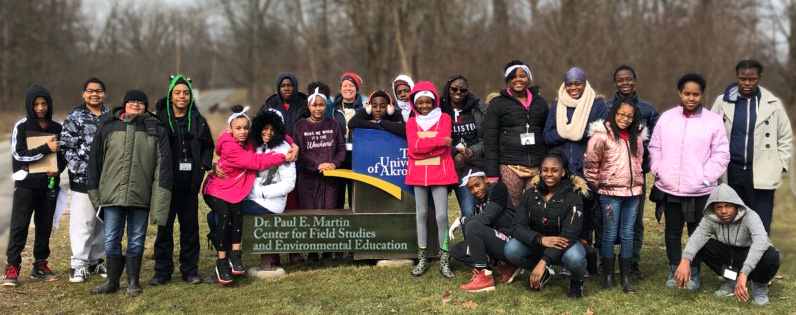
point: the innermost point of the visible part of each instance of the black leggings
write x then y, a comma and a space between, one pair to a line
486, 245
674, 229
230, 222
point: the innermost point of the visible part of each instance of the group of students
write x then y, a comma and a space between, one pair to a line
537, 185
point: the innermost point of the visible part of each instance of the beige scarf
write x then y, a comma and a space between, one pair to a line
580, 118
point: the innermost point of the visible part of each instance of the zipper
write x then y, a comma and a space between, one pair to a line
682, 144
746, 134
630, 164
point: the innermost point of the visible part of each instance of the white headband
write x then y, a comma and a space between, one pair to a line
470, 173
237, 115
423, 93
523, 67
315, 94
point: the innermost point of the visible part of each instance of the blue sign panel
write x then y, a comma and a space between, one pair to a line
380, 154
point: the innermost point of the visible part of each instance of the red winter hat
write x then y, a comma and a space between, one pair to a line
353, 77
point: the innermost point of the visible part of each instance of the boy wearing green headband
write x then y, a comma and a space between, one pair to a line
192, 155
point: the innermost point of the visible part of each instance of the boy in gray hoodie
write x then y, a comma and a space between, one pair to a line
740, 250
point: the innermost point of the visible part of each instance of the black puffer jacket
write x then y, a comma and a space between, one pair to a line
505, 121
562, 216
495, 210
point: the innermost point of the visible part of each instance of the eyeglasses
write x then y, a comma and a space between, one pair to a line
98, 91
625, 116
136, 103
457, 90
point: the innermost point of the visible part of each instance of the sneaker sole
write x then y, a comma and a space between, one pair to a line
236, 272
487, 289
9, 284
514, 275
45, 279
219, 278
77, 280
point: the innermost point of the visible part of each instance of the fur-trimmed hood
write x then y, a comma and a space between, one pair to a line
579, 184
268, 117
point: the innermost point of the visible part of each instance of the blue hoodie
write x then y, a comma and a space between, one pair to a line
742, 135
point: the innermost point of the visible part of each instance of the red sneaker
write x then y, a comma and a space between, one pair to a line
41, 271
507, 272
12, 273
481, 281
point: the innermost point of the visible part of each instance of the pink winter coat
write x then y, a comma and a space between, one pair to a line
608, 164
241, 165
423, 148
688, 155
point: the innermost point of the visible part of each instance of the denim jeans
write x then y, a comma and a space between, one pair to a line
113, 223
524, 256
252, 207
466, 201
619, 218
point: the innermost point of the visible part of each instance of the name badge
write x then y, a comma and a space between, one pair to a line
185, 166
527, 138
730, 273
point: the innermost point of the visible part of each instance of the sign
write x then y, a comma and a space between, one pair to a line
329, 231
380, 154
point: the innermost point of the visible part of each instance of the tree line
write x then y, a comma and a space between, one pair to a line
247, 43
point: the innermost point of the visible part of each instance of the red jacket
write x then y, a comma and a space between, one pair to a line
422, 148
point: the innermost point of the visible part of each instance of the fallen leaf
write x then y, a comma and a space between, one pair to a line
446, 296
392, 310
778, 277
589, 312
469, 304
500, 311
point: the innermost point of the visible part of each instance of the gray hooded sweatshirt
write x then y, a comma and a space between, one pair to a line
745, 231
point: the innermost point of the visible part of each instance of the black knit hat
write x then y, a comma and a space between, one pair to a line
136, 95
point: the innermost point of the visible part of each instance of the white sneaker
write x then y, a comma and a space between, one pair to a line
78, 275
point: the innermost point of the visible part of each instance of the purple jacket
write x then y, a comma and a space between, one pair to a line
688, 155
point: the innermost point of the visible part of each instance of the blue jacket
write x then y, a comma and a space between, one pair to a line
573, 150
649, 117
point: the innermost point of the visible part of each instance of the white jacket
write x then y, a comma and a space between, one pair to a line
274, 196
773, 138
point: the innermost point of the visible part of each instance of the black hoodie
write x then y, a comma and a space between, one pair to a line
192, 135
28, 127
298, 103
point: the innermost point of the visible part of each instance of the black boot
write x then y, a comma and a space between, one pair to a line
115, 268
445, 264
575, 289
592, 259
608, 273
636, 272
624, 275
133, 273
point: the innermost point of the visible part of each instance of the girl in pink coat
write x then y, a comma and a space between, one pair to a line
430, 169
689, 151
612, 166
240, 163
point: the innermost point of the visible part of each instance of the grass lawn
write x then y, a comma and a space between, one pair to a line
348, 287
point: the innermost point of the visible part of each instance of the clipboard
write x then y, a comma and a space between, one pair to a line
432, 160
49, 163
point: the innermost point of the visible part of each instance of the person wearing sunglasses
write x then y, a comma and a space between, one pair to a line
467, 119
513, 126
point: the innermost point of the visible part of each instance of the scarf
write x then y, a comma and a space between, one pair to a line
406, 108
427, 121
580, 118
